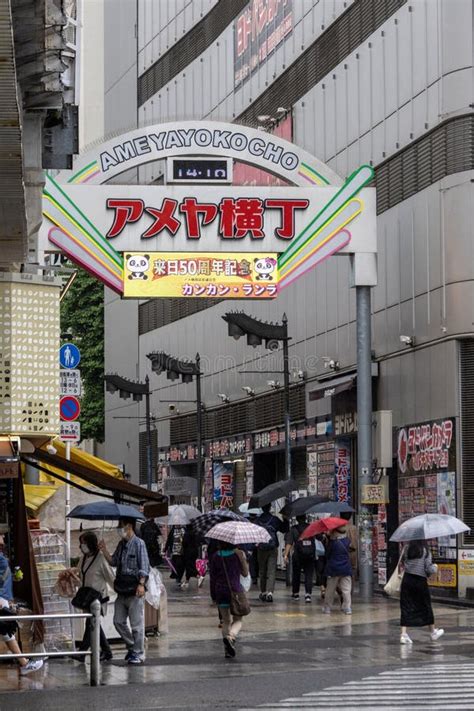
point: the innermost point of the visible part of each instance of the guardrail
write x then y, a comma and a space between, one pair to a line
94, 653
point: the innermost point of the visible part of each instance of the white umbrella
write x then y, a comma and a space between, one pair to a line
244, 509
239, 532
180, 515
427, 526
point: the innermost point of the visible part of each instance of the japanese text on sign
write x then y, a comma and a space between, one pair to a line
167, 274
425, 446
343, 470
237, 217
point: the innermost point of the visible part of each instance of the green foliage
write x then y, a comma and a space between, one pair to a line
82, 315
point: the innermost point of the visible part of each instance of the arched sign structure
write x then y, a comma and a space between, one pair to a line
95, 221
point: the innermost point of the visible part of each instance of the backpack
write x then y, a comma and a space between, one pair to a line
305, 548
273, 542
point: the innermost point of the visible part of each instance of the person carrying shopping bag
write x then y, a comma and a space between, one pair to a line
226, 567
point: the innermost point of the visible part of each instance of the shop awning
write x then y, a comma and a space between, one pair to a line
80, 457
36, 496
332, 387
58, 466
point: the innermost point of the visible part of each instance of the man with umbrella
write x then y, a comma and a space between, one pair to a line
267, 553
131, 560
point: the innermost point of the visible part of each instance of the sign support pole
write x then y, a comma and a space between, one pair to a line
364, 436
67, 507
149, 459
199, 430
286, 383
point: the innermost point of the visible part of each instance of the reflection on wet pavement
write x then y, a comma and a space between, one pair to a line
273, 637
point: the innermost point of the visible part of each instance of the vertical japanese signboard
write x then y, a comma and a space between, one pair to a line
342, 461
426, 456
223, 485
258, 30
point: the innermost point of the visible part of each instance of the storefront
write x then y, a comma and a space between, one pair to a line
427, 481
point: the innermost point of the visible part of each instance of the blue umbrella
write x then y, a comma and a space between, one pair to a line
105, 511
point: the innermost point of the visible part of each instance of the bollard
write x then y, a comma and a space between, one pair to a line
95, 643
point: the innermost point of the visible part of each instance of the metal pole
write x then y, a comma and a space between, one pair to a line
364, 436
149, 458
95, 643
199, 430
67, 508
286, 382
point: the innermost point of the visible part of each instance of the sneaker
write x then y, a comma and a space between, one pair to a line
307, 598
229, 647
269, 597
184, 586
436, 634
348, 611
405, 639
32, 666
135, 659
106, 656
295, 596
200, 580
128, 655
263, 597
326, 610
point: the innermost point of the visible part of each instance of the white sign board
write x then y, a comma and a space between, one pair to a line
138, 218
70, 382
70, 432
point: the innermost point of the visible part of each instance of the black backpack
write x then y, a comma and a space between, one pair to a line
305, 548
273, 542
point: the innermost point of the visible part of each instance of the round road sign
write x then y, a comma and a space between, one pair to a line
69, 408
69, 355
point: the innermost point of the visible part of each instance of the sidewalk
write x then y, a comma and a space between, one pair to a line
193, 647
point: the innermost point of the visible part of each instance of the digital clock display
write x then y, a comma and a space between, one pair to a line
201, 170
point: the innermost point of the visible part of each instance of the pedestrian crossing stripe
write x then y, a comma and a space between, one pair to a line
433, 688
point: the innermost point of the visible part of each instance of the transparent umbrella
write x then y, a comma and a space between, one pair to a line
180, 515
427, 526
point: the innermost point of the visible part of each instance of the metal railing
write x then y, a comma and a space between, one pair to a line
94, 653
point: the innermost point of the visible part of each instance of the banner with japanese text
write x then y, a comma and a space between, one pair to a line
223, 485
239, 275
342, 466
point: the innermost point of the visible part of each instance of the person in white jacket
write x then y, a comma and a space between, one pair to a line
94, 572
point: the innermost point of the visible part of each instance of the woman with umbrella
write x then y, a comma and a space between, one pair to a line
415, 600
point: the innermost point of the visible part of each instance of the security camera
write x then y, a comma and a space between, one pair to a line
248, 390
272, 344
51, 449
223, 397
407, 340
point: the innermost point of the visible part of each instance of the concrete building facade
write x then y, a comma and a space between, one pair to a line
385, 82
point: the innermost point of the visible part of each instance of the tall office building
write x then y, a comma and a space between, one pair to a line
383, 82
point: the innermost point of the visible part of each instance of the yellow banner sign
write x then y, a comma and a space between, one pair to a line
446, 576
236, 275
374, 494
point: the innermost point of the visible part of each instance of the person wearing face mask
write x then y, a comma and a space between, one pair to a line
94, 572
130, 558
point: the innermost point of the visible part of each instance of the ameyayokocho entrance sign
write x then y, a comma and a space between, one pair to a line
96, 225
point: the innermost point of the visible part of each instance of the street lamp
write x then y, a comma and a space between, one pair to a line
240, 324
136, 390
186, 370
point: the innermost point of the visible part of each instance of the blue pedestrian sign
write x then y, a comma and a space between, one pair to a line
69, 355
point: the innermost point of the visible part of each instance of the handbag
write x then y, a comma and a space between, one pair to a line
86, 595
394, 584
239, 605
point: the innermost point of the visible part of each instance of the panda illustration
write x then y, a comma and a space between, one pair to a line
265, 266
137, 264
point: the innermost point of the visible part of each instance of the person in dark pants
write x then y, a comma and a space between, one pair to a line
150, 533
94, 572
304, 553
267, 553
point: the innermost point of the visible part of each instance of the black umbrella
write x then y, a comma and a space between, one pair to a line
272, 492
331, 507
202, 524
302, 505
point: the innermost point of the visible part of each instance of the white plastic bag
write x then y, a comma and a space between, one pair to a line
246, 582
153, 592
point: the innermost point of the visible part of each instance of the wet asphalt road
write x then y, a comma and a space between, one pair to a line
286, 650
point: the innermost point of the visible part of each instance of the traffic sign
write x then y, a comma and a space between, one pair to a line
70, 382
70, 431
69, 408
69, 355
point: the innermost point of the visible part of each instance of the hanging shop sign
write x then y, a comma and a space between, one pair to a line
229, 447
426, 456
374, 494
259, 29
249, 475
223, 485
207, 275
342, 467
